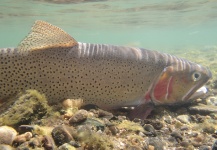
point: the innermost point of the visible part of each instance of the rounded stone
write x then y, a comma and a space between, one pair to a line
184, 119
23, 137
6, 147
149, 130
7, 135
62, 134
79, 116
176, 135
66, 146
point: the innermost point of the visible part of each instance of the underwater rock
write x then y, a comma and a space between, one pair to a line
104, 114
177, 136
30, 106
203, 109
184, 143
208, 127
63, 134
184, 119
130, 126
149, 130
23, 137
66, 146
204, 147
114, 130
155, 123
6, 147
37, 142
92, 139
7, 135
94, 123
214, 146
75, 144
168, 119
48, 142
157, 143
211, 100
79, 116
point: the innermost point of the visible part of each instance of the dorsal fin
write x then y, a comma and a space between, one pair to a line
43, 36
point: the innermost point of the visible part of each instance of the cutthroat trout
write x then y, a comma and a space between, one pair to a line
52, 62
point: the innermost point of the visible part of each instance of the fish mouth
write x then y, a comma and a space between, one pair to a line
199, 93
195, 92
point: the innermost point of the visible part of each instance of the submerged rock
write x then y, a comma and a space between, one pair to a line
66, 146
149, 130
6, 147
63, 134
23, 137
184, 119
203, 109
30, 106
7, 135
79, 116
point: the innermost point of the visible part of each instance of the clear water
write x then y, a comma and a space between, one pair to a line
157, 24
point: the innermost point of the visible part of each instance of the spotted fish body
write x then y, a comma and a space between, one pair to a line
52, 62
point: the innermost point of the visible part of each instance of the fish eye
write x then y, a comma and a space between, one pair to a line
196, 76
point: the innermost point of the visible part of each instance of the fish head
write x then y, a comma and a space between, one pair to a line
179, 84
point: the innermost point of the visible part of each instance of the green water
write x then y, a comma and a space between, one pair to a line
157, 24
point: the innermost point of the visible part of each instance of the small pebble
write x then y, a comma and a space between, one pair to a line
149, 130
184, 143
94, 123
66, 146
203, 109
79, 116
48, 143
156, 124
157, 143
184, 128
177, 135
62, 134
211, 101
75, 144
105, 114
151, 147
184, 119
114, 130
168, 119
204, 147
23, 137
6, 147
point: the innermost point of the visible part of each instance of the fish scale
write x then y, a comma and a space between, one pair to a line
106, 75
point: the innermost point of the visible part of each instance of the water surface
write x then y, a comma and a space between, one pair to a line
159, 24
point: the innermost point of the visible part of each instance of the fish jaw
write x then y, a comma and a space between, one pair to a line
176, 85
199, 93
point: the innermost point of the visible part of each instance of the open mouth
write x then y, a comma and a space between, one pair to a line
199, 93
193, 93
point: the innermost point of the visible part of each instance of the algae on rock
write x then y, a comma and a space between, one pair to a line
28, 107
